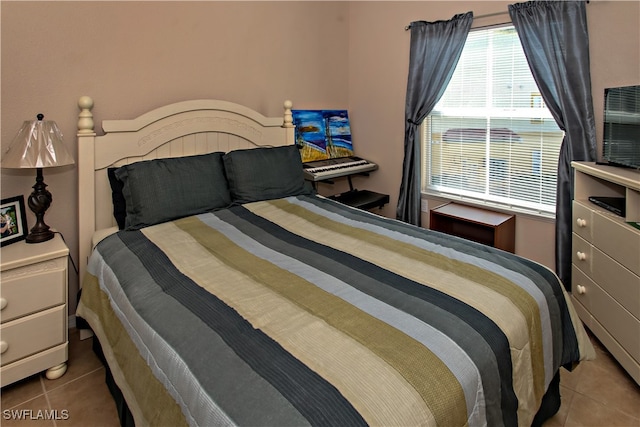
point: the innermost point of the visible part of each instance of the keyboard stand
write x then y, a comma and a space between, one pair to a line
332, 180
361, 199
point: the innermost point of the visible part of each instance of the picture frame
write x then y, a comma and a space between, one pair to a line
13, 220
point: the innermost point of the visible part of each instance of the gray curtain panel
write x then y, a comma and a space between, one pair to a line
434, 54
555, 40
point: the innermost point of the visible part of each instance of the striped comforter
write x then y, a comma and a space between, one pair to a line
302, 311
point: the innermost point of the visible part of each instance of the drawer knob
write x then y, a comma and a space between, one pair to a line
581, 222
581, 255
581, 289
3, 303
4, 346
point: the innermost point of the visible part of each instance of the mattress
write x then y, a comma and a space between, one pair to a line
302, 311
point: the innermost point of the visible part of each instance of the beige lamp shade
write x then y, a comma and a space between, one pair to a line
38, 144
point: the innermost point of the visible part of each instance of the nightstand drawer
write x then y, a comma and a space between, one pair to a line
32, 334
27, 290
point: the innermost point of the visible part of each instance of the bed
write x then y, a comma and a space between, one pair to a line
223, 291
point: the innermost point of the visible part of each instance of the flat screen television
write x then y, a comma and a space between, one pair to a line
621, 139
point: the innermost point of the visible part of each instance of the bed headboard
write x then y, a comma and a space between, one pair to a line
176, 130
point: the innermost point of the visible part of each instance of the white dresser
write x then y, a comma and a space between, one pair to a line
605, 280
33, 298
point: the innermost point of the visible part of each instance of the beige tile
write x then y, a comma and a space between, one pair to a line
608, 384
570, 379
82, 361
587, 412
87, 400
21, 391
35, 412
605, 360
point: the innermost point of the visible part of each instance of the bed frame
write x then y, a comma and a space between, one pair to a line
176, 130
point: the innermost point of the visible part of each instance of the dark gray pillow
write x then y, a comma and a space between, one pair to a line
164, 189
119, 203
265, 173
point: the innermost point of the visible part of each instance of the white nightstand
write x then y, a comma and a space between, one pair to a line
33, 316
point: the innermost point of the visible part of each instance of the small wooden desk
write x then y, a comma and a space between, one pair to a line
480, 225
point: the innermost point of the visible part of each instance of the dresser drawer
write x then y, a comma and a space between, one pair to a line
618, 322
581, 253
615, 279
582, 223
30, 289
619, 282
617, 240
32, 334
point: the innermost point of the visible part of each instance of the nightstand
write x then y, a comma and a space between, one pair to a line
33, 316
480, 225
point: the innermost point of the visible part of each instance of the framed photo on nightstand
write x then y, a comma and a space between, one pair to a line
13, 220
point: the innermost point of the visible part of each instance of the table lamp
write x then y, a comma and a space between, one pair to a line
38, 145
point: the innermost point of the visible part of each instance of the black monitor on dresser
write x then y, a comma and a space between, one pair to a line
621, 137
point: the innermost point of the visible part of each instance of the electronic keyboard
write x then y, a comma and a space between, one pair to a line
320, 170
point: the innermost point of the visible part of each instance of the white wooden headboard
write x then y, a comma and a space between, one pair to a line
176, 130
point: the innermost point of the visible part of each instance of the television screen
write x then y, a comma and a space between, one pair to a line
621, 139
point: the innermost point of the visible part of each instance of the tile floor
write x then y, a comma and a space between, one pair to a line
598, 393
81, 391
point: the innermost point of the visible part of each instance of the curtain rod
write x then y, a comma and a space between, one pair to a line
487, 15
408, 27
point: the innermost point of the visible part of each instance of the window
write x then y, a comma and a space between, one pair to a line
491, 139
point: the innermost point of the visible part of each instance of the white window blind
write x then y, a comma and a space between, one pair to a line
491, 139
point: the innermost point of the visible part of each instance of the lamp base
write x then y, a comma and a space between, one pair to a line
39, 201
39, 237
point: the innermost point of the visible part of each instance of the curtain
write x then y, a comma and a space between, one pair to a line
434, 53
555, 40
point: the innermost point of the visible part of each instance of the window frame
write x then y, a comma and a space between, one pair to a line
427, 190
